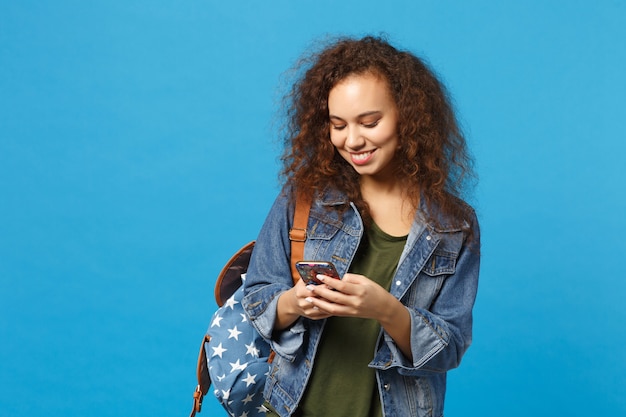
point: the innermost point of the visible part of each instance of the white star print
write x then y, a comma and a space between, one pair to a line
244, 318
249, 379
234, 333
231, 302
237, 366
225, 394
252, 350
216, 321
218, 350
247, 399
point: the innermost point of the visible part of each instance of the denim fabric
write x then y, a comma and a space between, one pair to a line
436, 279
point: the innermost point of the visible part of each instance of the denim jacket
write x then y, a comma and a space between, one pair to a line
436, 279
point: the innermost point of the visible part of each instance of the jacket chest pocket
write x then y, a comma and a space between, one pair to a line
441, 262
331, 241
319, 237
437, 268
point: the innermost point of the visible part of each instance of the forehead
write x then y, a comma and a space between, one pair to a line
361, 90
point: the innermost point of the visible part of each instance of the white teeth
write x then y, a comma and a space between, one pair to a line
361, 156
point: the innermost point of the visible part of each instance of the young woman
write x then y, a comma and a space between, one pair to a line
373, 140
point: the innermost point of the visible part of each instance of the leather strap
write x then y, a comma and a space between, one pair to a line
204, 380
297, 236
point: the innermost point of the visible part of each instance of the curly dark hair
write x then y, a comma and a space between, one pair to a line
432, 161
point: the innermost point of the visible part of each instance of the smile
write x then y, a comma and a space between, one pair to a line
361, 157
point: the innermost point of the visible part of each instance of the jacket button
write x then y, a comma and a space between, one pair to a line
428, 237
386, 387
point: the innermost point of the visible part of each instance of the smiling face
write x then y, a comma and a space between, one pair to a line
363, 119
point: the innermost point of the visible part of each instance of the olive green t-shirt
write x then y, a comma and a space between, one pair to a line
341, 383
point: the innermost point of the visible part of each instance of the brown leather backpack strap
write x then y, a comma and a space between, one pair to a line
297, 234
204, 379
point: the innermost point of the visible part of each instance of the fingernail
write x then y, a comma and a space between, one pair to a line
308, 299
320, 277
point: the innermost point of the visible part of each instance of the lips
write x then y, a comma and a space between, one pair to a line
361, 158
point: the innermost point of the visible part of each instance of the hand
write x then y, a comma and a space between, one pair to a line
294, 303
358, 296
353, 296
303, 294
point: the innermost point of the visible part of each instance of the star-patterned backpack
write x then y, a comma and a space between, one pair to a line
233, 357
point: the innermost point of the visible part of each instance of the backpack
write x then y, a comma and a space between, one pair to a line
233, 357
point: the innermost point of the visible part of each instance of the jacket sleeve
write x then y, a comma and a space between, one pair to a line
441, 334
269, 275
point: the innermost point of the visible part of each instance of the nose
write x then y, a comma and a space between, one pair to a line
354, 139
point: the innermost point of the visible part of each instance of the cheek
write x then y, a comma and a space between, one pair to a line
387, 137
336, 139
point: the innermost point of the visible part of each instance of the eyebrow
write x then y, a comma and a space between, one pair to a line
367, 113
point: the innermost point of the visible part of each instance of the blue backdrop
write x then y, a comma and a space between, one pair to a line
138, 151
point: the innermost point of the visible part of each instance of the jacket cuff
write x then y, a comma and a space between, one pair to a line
262, 314
426, 342
427, 338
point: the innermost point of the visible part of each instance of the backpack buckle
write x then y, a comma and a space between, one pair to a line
297, 235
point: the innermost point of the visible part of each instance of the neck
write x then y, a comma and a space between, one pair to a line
371, 186
389, 206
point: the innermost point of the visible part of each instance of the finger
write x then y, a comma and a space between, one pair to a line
323, 291
328, 307
313, 311
304, 290
354, 278
333, 284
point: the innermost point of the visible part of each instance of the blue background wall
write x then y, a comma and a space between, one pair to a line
137, 152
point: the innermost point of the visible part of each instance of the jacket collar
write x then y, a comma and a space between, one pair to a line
430, 216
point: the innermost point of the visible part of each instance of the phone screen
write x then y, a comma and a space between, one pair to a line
310, 269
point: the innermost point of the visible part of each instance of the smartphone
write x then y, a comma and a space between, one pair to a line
310, 269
